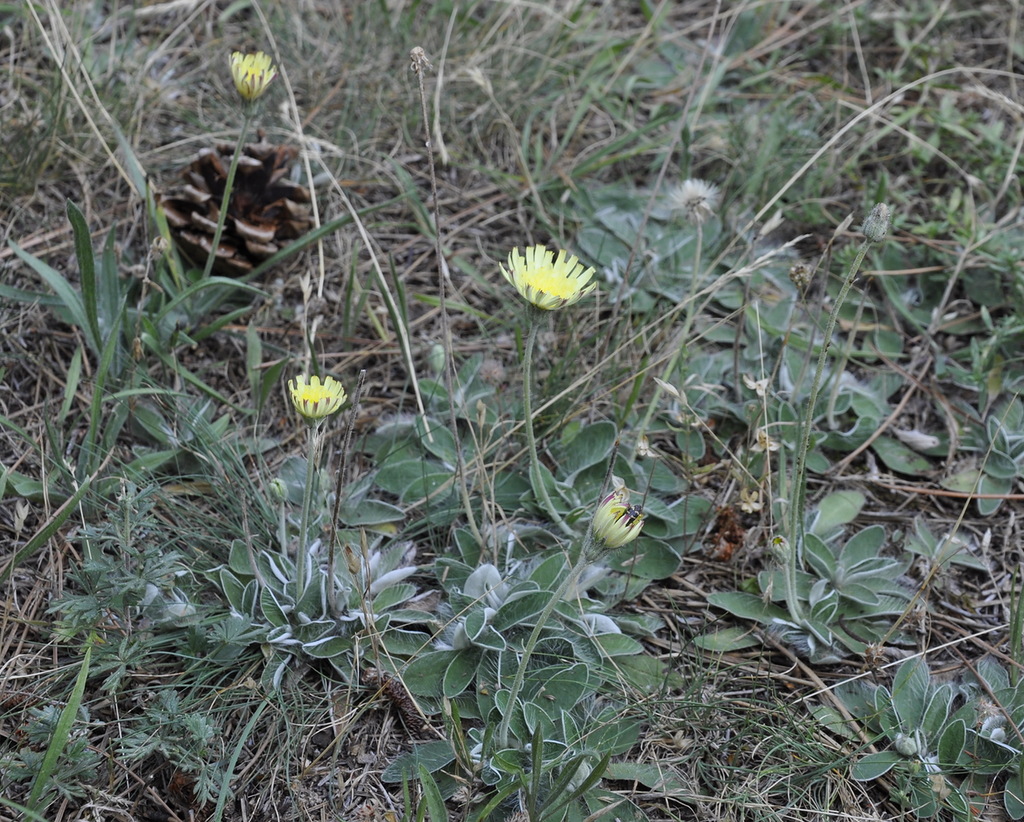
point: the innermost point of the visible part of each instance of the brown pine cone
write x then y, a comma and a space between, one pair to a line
266, 209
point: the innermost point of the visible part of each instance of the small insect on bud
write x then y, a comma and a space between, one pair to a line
876, 226
616, 522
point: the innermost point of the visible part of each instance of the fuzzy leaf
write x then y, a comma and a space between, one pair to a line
748, 606
820, 557
899, 457
424, 675
951, 743
862, 547
328, 647
726, 640
651, 776
837, 509
459, 674
430, 755
910, 692
1013, 793
584, 446
618, 645
874, 765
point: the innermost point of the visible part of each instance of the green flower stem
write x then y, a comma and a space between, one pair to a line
684, 347
536, 477
575, 573
316, 442
794, 555
226, 198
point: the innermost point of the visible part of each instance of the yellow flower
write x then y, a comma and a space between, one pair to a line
252, 73
315, 400
547, 281
616, 522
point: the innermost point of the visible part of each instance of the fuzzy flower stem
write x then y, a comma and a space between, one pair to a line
420, 64
226, 198
346, 446
316, 443
531, 643
591, 549
536, 476
874, 232
684, 347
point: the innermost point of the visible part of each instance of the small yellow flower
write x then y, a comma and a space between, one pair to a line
314, 399
547, 281
252, 74
616, 522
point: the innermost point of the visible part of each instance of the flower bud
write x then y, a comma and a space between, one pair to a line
616, 522
876, 226
906, 745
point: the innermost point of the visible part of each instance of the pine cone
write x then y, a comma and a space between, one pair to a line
265, 211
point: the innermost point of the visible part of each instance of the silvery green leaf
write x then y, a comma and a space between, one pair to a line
390, 578
618, 645
874, 765
328, 647
392, 596
459, 674
951, 743
485, 584
597, 624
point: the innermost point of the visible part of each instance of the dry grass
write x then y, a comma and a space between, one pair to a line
812, 109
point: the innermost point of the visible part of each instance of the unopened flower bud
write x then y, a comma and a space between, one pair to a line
906, 745
616, 522
279, 489
876, 226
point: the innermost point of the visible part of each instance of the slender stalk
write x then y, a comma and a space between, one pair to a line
346, 446
517, 684
420, 64
225, 200
316, 442
684, 347
875, 228
536, 476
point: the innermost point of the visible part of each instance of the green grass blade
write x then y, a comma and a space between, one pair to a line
27, 813
69, 298
61, 733
86, 270
225, 785
432, 796
48, 530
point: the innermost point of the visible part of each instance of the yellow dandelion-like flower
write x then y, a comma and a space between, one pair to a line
616, 521
314, 399
252, 74
547, 281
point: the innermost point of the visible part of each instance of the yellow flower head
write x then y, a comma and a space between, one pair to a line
314, 399
252, 73
547, 281
616, 521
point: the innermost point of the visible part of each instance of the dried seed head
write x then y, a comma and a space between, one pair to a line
696, 200
800, 275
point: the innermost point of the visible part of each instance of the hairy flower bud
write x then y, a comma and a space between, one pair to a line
876, 226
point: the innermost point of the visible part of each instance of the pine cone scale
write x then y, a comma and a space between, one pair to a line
266, 210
